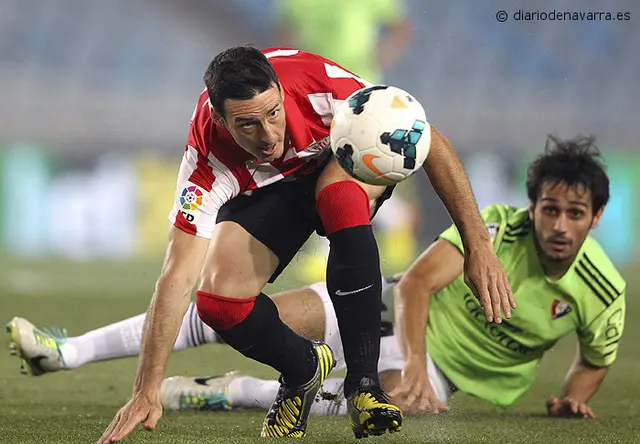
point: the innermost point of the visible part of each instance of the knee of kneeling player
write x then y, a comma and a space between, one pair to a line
343, 205
221, 312
229, 283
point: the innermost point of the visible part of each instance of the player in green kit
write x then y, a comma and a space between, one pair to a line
562, 281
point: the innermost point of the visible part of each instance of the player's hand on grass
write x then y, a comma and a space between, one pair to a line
568, 408
140, 409
415, 394
486, 277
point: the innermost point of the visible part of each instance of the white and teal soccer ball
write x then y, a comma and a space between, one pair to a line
380, 135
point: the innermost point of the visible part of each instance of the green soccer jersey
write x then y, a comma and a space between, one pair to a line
498, 362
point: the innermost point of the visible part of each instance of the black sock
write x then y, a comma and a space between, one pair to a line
354, 284
263, 336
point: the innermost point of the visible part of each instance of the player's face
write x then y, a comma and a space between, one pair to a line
562, 218
258, 124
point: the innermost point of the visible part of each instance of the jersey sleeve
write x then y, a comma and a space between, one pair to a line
495, 218
599, 340
204, 183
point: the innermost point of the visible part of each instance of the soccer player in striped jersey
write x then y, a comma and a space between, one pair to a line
256, 179
562, 279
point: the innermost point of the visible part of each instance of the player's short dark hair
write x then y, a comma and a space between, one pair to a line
238, 73
576, 162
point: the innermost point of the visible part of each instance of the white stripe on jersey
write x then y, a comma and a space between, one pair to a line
263, 174
315, 149
335, 72
281, 52
325, 106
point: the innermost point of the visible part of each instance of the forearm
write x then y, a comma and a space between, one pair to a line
583, 381
161, 327
436, 268
412, 312
450, 181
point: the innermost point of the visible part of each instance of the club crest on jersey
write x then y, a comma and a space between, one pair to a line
559, 309
493, 231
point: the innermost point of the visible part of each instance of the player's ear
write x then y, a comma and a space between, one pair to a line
596, 218
532, 208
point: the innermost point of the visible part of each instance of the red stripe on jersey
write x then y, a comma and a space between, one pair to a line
186, 226
203, 175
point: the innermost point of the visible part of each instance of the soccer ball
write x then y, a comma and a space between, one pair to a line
380, 135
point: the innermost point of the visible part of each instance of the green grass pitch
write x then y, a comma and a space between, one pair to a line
75, 407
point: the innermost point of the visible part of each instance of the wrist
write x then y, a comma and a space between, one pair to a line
150, 394
476, 243
417, 358
147, 387
475, 234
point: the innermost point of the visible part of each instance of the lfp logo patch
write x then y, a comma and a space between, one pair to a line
191, 198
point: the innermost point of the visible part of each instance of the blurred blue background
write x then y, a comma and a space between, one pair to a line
96, 99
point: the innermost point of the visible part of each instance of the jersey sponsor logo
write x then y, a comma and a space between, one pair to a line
559, 309
613, 331
191, 198
499, 333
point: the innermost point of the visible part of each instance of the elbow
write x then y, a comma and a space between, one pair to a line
173, 282
415, 282
403, 288
410, 288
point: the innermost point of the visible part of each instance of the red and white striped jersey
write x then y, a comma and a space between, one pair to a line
215, 169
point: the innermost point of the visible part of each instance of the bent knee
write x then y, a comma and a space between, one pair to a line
234, 286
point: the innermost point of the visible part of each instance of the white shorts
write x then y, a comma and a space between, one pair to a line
391, 357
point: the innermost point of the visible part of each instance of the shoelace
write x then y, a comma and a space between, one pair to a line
58, 334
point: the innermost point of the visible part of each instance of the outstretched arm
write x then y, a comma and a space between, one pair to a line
180, 271
484, 274
437, 267
182, 265
581, 383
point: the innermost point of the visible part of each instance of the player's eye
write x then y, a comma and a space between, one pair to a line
550, 210
576, 214
273, 114
247, 125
